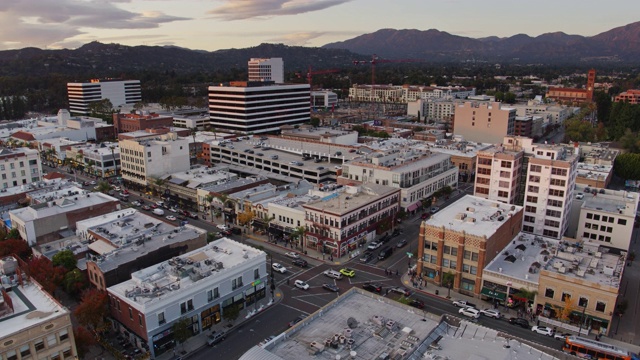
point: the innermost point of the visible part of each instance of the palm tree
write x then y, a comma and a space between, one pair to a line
159, 183
209, 199
298, 234
104, 187
78, 159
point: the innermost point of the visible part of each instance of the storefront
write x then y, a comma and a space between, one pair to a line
210, 317
493, 294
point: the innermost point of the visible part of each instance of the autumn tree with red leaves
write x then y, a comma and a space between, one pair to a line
84, 339
92, 309
42, 270
15, 246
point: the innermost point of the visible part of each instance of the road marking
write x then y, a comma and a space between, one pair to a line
296, 309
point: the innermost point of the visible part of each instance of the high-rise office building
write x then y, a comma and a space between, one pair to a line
266, 70
119, 92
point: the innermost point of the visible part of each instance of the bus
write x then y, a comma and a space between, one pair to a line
586, 348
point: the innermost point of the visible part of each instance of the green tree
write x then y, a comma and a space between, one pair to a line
577, 129
630, 141
627, 166
66, 259
104, 187
231, 313
181, 331
13, 234
298, 235
526, 294
74, 282
603, 104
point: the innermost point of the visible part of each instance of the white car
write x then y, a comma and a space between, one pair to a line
374, 245
223, 228
279, 268
470, 312
542, 330
173, 210
301, 285
171, 218
292, 255
491, 313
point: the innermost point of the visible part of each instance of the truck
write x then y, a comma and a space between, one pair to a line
463, 304
385, 253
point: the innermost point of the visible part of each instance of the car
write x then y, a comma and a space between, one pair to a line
330, 287
292, 255
259, 154
401, 243
352, 150
171, 218
337, 167
222, 227
136, 203
425, 216
462, 303
491, 313
470, 312
301, 285
374, 245
266, 341
293, 162
366, 257
236, 231
92, 182
561, 336
320, 168
296, 320
348, 272
279, 268
116, 188
159, 203
372, 287
300, 262
146, 207
384, 238
124, 199
520, 322
434, 209
215, 337
417, 304
400, 290
173, 210
542, 330
332, 274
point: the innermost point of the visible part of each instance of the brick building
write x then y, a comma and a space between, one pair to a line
135, 122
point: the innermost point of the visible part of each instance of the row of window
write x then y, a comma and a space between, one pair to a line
593, 236
22, 173
608, 229
609, 219
39, 344
583, 302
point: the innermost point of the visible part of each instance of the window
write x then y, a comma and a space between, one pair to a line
534, 179
66, 353
589, 216
622, 221
554, 213
130, 314
552, 223
55, 357
550, 233
536, 168
533, 199
64, 335
256, 274
600, 306
11, 355
504, 184
550, 293
566, 296
51, 340
503, 194
183, 308
39, 345
583, 302
558, 182
505, 164
189, 304
530, 219
556, 203
558, 171
530, 209
533, 189
554, 192
505, 174
24, 350
161, 319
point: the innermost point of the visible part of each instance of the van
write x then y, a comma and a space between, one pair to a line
158, 211
385, 253
333, 274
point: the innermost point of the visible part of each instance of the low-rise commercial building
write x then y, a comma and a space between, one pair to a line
123, 123
595, 176
19, 167
96, 159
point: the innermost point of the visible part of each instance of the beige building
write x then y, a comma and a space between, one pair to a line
33, 324
484, 122
498, 174
462, 238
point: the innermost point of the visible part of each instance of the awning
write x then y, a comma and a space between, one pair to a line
493, 294
101, 247
593, 318
413, 206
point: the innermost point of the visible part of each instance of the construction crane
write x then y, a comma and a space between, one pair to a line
376, 60
310, 73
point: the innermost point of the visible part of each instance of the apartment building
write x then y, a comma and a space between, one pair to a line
432, 109
124, 241
631, 96
551, 114
417, 174
53, 213
33, 324
258, 107
200, 286
407, 93
266, 69
463, 238
141, 121
484, 122
143, 160
336, 222
96, 159
19, 166
464, 154
498, 174
119, 92
324, 99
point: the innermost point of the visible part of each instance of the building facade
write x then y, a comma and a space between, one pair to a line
19, 166
484, 122
258, 107
96, 159
498, 174
271, 69
631, 96
136, 122
119, 92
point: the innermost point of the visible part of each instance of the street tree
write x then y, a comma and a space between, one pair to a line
66, 259
181, 330
17, 247
74, 282
231, 313
43, 271
92, 309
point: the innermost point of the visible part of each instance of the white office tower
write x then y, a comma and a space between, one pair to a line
119, 92
266, 70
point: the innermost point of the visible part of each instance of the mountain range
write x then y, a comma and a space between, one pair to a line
620, 44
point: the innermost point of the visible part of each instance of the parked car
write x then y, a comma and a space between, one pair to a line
561, 336
330, 287
236, 231
434, 209
385, 253
374, 245
300, 262
463, 303
400, 290
171, 218
222, 227
372, 287
470, 312
401, 243
301, 285
146, 207
520, 322
348, 272
215, 337
425, 216
279, 268
173, 210
366, 257
417, 304
491, 313
292, 255
135, 203
542, 330
296, 320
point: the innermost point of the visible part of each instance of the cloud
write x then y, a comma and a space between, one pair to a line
44, 22
248, 9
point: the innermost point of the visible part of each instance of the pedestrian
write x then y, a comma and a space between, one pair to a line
287, 281
397, 273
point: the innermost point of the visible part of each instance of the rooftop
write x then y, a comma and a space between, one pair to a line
175, 276
457, 148
101, 149
474, 215
121, 237
201, 176
612, 201
230, 185
346, 199
31, 304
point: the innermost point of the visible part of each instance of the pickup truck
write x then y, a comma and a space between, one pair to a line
463, 304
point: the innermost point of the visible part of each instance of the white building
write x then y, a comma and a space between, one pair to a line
198, 122
221, 275
257, 107
498, 172
271, 69
19, 167
97, 159
119, 92
324, 99
144, 160
407, 93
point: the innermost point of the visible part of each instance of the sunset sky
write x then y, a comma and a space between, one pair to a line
222, 24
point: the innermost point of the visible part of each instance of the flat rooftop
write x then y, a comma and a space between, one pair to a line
613, 201
363, 325
75, 200
348, 198
523, 257
474, 215
200, 177
170, 278
230, 185
121, 237
461, 148
31, 306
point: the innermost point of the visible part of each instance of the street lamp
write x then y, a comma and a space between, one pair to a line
272, 284
115, 164
584, 308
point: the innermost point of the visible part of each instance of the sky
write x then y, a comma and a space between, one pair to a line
223, 24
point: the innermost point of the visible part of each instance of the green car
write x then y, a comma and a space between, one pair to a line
348, 272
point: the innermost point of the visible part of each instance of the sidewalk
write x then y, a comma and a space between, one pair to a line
197, 342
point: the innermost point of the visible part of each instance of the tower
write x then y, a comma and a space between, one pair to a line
591, 81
